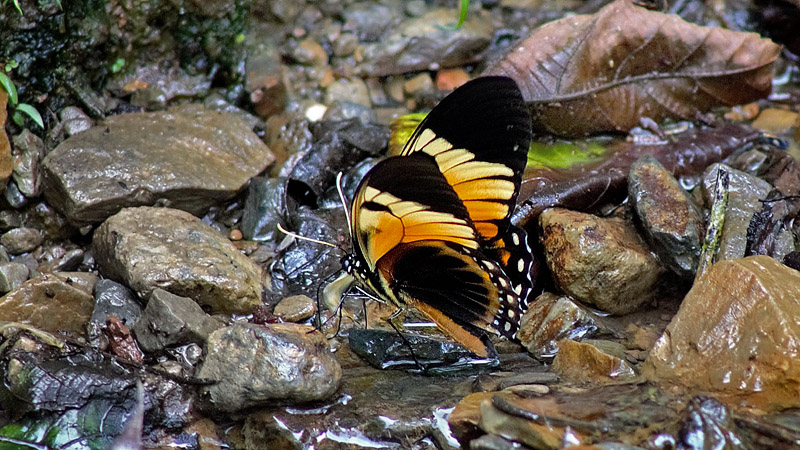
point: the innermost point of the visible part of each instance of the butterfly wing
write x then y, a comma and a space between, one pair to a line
457, 288
479, 136
415, 245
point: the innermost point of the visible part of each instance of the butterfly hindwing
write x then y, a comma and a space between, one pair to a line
456, 287
513, 254
479, 136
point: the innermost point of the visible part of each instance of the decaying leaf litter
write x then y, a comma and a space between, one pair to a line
622, 69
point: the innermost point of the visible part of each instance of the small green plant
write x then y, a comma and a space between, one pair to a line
16, 5
20, 109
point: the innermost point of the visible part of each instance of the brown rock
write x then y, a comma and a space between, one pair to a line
419, 85
668, 216
737, 332
310, 52
585, 363
295, 308
52, 302
189, 158
550, 319
427, 43
254, 365
148, 248
601, 261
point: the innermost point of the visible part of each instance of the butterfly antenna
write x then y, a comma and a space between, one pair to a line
344, 202
303, 238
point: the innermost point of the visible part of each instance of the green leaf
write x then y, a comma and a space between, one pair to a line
118, 65
462, 14
31, 112
9, 87
563, 154
16, 3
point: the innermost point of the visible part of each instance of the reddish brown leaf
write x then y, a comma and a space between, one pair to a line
584, 187
122, 343
603, 72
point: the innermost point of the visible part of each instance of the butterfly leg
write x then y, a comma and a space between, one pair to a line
391, 319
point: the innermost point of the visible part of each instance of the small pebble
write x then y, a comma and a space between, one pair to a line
449, 79
309, 52
419, 85
530, 390
235, 235
21, 240
295, 308
345, 44
12, 275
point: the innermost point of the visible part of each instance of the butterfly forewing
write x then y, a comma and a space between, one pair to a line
479, 136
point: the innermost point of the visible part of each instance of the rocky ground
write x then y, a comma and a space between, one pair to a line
144, 280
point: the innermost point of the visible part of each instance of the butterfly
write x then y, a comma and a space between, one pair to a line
431, 227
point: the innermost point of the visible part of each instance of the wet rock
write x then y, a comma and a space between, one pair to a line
379, 408
154, 84
264, 208
600, 261
493, 442
586, 363
12, 275
254, 365
52, 302
21, 240
122, 162
67, 262
112, 299
28, 153
309, 52
427, 43
344, 110
264, 75
369, 20
672, 222
14, 197
74, 120
736, 333
295, 308
170, 320
387, 349
354, 91
148, 248
622, 413
551, 318
216, 102
744, 194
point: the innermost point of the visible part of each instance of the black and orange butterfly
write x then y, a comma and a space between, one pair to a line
431, 228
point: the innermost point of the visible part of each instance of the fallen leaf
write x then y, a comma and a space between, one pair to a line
589, 183
603, 72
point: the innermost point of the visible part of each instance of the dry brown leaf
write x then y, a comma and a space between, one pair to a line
592, 73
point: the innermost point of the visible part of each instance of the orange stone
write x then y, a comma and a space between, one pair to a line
449, 79
737, 333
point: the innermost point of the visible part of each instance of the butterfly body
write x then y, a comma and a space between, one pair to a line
431, 227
